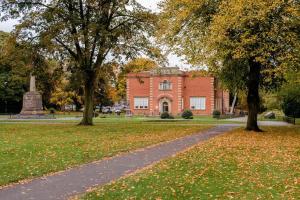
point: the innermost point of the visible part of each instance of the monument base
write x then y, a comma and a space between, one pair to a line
27, 112
32, 104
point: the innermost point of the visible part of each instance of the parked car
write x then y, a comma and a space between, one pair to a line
106, 110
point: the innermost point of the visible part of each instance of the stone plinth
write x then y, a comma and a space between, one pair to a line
32, 104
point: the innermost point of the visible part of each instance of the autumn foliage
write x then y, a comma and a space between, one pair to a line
248, 43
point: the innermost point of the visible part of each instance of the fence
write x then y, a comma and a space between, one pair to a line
291, 120
6, 115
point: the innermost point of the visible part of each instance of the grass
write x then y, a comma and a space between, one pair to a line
122, 119
237, 165
196, 119
31, 150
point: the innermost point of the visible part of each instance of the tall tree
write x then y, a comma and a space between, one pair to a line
61, 97
17, 61
253, 39
14, 72
289, 95
106, 85
89, 32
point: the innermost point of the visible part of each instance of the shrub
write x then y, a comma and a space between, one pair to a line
52, 110
216, 114
291, 107
187, 114
165, 115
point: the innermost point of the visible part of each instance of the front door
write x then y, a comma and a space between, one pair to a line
165, 107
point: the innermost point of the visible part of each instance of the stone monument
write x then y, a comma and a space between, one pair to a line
32, 101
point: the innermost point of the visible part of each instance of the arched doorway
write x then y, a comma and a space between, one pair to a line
165, 107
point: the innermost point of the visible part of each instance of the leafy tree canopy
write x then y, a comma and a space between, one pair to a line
91, 33
14, 71
229, 33
250, 43
17, 61
61, 97
3, 37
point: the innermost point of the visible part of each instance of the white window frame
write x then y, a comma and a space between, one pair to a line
141, 103
165, 85
198, 103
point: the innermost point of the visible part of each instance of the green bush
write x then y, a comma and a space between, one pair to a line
187, 114
291, 107
290, 95
216, 114
166, 115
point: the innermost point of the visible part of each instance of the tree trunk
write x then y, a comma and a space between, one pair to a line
233, 103
78, 105
253, 96
88, 112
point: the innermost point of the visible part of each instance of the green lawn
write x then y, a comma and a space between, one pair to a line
122, 119
30, 150
237, 165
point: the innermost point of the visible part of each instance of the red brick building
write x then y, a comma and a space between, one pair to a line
172, 90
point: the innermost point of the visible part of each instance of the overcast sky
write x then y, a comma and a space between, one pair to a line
151, 4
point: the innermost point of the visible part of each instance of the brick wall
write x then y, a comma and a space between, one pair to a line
184, 86
171, 95
199, 87
138, 85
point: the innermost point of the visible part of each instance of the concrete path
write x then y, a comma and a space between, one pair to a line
260, 123
273, 123
78, 180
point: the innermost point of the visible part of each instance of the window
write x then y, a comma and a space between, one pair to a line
141, 102
198, 103
166, 85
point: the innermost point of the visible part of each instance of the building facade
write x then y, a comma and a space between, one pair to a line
172, 90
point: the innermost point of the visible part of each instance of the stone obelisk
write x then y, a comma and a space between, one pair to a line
32, 100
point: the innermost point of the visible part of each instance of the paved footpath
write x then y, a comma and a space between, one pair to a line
77, 180
260, 123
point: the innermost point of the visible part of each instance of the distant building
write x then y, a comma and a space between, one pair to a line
172, 90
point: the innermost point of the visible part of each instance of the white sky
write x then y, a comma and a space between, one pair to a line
151, 4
